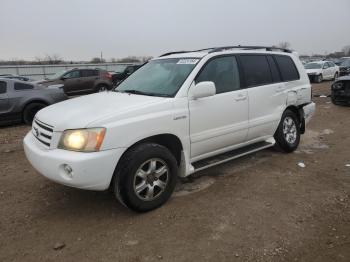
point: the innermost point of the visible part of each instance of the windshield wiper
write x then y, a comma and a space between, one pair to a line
138, 92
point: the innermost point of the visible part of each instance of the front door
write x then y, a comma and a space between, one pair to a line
218, 121
72, 82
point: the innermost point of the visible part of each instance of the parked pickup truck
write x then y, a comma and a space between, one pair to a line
178, 114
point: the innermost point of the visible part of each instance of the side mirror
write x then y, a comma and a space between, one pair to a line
64, 78
203, 89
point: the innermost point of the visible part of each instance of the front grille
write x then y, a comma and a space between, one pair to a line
42, 132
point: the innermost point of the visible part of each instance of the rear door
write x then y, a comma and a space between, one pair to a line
267, 94
88, 78
218, 121
4, 99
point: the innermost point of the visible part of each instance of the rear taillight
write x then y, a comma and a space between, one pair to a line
108, 76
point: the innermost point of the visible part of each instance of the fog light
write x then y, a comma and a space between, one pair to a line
68, 170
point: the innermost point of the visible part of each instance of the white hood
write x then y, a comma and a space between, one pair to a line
79, 112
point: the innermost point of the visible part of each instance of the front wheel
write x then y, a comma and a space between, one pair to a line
102, 88
30, 111
146, 177
287, 135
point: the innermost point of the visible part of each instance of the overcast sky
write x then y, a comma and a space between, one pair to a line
80, 29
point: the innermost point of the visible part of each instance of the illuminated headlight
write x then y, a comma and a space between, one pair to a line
83, 140
337, 86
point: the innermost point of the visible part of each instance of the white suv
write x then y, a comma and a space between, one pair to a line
177, 114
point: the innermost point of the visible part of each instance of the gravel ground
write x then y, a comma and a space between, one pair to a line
263, 207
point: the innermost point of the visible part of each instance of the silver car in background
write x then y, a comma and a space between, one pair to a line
20, 100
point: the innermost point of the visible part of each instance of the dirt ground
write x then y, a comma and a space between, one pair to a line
263, 207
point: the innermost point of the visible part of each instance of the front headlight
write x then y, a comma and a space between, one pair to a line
337, 86
83, 140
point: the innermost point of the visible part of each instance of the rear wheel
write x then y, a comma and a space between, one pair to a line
30, 110
335, 76
287, 135
319, 78
146, 177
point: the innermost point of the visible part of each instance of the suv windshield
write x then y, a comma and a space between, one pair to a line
56, 75
313, 66
345, 62
161, 77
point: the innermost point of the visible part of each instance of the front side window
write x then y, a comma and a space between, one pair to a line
3, 88
223, 71
162, 77
72, 74
22, 86
287, 68
256, 70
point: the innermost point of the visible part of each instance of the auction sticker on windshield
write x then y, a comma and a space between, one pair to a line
187, 61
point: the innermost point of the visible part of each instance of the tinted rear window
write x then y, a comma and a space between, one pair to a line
287, 68
256, 70
22, 86
87, 73
3, 86
276, 77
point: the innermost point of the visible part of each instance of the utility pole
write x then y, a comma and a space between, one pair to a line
101, 57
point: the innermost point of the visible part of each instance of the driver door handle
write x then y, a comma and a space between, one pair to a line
240, 97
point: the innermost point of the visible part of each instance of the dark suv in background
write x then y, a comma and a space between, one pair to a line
81, 81
118, 77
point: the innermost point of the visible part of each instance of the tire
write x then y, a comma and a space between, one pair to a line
287, 135
101, 88
30, 110
146, 177
319, 78
336, 76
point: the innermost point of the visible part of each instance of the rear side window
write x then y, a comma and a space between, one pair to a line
22, 86
223, 71
3, 88
256, 70
89, 72
276, 77
287, 68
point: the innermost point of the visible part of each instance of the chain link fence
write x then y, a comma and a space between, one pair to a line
37, 72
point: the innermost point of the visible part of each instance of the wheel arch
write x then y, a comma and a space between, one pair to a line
170, 141
298, 111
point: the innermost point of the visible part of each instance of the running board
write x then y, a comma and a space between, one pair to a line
225, 157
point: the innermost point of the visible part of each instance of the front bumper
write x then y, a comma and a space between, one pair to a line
92, 171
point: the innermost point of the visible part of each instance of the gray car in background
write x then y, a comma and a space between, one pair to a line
20, 100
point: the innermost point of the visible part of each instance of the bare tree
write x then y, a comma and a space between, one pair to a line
97, 60
346, 50
285, 45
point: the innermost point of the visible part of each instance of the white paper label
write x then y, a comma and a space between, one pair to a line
187, 61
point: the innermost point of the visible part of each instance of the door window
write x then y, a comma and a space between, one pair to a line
72, 74
223, 71
256, 70
88, 73
22, 86
3, 88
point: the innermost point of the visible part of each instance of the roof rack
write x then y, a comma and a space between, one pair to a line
181, 52
267, 48
223, 48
